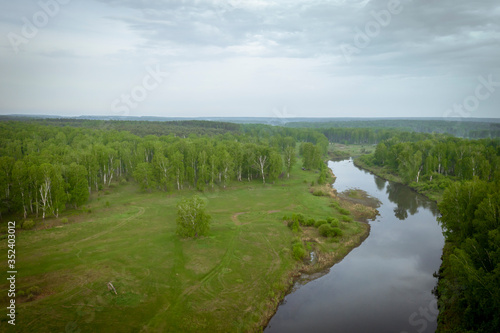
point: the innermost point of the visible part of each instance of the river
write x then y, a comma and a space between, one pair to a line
385, 284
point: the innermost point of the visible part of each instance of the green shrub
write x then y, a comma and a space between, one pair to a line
309, 222
107, 203
28, 224
319, 193
346, 218
298, 250
334, 222
294, 225
319, 223
335, 204
344, 211
64, 220
298, 217
325, 230
35, 290
337, 232
21, 293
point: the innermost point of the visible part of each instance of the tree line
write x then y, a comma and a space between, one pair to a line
437, 157
465, 128
45, 168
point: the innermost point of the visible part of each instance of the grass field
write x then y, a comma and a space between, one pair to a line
231, 280
338, 150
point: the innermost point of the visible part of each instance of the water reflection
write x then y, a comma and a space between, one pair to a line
407, 201
380, 183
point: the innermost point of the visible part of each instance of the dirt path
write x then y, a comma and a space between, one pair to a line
107, 231
235, 219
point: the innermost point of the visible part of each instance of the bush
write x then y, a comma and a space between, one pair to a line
298, 250
294, 225
344, 211
334, 222
64, 220
28, 224
337, 232
335, 204
320, 223
319, 193
35, 290
309, 222
123, 181
325, 230
346, 218
298, 217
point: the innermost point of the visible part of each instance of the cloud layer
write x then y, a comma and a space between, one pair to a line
332, 58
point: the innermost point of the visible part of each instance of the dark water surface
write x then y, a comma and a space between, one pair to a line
384, 285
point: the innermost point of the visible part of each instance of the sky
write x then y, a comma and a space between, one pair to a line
251, 58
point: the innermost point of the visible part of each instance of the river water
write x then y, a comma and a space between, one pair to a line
385, 284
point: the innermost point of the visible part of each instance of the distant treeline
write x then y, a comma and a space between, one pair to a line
371, 135
46, 166
182, 128
465, 129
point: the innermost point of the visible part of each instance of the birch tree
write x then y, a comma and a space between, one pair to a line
192, 219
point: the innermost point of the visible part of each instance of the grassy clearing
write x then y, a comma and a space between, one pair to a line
231, 280
339, 151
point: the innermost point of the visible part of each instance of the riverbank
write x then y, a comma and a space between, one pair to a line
364, 291
324, 253
431, 194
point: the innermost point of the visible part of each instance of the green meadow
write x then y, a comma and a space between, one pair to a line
230, 280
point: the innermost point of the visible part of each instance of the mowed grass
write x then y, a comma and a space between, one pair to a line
230, 280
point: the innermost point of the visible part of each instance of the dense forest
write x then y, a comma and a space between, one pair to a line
467, 175
439, 159
48, 166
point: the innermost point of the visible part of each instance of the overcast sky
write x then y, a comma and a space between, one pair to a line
282, 58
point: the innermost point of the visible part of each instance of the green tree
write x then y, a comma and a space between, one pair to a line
192, 219
289, 158
77, 181
311, 156
381, 153
144, 175
275, 165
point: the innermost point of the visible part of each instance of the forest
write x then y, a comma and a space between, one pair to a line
46, 166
